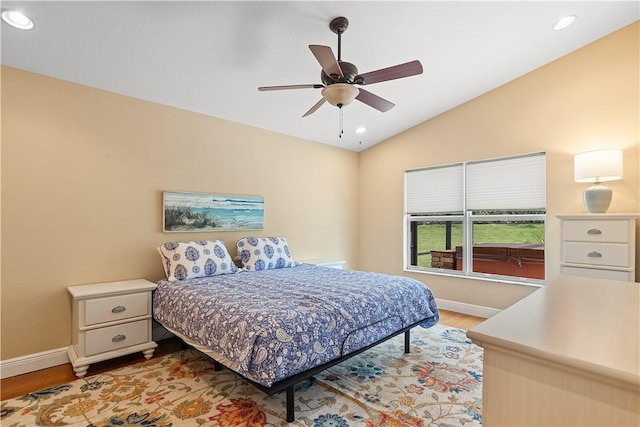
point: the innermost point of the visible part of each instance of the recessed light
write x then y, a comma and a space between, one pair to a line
17, 19
361, 129
564, 22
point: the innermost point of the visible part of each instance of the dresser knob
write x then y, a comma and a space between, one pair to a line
118, 309
119, 338
594, 255
594, 231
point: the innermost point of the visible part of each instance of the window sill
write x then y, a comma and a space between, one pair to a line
478, 276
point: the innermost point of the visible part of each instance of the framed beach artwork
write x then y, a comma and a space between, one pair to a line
191, 212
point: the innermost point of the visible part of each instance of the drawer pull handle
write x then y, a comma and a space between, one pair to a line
594, 231
118, 309
119, 338
594, 254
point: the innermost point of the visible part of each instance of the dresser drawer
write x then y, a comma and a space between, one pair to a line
108, 309
115, 337
596, 231
599, 274
610, 254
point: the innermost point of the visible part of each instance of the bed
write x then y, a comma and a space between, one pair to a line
278, 326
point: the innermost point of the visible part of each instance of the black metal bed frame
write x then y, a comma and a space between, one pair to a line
288, 384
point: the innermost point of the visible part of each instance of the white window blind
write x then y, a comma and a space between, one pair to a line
438, 189
507, 184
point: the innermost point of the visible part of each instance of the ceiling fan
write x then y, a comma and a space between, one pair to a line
340, 77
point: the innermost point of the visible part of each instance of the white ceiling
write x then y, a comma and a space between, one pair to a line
211, 56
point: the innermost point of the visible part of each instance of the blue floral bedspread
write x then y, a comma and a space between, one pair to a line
273, 324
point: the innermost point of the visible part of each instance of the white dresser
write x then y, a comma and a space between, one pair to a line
110, 320
601, 246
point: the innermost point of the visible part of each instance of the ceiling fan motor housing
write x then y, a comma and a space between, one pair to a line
348, 70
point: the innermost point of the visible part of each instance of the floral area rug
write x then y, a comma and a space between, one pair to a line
438, 384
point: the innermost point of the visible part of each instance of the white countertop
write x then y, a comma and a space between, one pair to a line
587, 324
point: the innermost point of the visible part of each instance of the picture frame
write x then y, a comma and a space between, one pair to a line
200, 212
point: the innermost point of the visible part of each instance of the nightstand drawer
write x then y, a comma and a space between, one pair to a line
108, 309
596, 231
611, 254
115, 337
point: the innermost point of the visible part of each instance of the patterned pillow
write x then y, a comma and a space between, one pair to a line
264, 253
186, 260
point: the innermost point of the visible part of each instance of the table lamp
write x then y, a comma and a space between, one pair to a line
597, 167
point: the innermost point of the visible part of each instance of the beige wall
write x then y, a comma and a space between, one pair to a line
584, 101
83, 173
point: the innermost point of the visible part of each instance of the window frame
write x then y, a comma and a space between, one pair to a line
468, 219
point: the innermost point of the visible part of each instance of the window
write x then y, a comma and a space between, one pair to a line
481, 219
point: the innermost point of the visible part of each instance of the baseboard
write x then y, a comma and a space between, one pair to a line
47, 359
33, 362
470, 309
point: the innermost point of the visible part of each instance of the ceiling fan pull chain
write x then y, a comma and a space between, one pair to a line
341, 124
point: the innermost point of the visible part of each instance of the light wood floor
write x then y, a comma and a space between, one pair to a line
45, 378
459, 320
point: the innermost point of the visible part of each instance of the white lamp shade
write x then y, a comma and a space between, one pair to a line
598, 166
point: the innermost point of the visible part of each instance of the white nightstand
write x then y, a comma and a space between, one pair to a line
325, 263
601, 246
110, 320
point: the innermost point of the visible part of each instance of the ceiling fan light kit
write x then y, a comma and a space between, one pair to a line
340, 77
340, 94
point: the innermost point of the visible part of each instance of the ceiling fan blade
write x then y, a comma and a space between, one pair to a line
309, 86
327, 60
315, 107
391, 73
374, 101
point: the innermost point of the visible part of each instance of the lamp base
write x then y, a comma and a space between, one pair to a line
597, 198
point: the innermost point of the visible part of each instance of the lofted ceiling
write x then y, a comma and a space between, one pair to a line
211, 56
